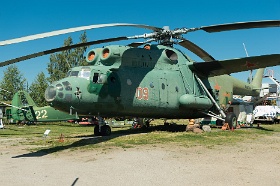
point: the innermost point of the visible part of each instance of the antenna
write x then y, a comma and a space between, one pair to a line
250, 76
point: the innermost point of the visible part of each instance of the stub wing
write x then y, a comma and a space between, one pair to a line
216, 68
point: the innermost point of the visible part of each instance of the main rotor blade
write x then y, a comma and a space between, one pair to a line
241, 25
196, 50
136, 44
216, 68
30, 56
70, 30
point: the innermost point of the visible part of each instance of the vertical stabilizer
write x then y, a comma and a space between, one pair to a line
22, 107
257, 81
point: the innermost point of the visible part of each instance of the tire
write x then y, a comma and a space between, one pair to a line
96, 130
231, 120
106, 130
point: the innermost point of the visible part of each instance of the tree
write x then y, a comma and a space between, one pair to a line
37, 89
60, 63
12, 82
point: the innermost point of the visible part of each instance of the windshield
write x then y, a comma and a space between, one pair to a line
85, 73
72, 73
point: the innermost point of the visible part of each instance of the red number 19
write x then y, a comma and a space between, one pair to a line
142, 93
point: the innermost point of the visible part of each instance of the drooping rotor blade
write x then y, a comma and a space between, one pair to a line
241, 25
216, 68
196, 50
30, 56
70, 30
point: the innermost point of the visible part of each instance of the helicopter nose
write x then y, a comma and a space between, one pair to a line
50, 93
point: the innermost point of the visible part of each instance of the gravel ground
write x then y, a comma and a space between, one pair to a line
252, 163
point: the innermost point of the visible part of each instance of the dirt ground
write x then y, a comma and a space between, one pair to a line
256, 162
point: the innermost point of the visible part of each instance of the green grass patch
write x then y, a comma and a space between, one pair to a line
68, 136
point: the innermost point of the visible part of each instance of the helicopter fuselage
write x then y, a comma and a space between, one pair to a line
154, 82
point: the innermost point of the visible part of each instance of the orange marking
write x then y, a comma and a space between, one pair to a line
217, 87
227, 95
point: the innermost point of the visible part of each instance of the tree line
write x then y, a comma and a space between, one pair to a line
58, 66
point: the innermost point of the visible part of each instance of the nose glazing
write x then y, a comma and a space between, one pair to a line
50, 93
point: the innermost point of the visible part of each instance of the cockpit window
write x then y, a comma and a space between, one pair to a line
67, 86
73, 73
85, 73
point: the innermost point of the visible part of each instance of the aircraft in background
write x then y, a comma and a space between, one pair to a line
24, 109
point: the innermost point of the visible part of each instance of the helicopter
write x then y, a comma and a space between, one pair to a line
147, 80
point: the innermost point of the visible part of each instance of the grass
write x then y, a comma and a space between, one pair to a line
68, 136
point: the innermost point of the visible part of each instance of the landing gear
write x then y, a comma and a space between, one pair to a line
231, 120
141, 122
96, 130
105, 130
102, 128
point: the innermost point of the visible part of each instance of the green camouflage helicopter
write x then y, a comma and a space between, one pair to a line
154, 81
24, 110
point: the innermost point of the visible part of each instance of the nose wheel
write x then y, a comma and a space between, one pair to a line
102, 129
105, 130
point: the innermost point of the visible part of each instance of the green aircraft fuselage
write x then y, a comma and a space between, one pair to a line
158, 82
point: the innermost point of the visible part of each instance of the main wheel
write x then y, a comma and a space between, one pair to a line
96, 130
231, 120
106, 130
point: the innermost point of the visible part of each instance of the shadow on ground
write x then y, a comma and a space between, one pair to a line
91, 139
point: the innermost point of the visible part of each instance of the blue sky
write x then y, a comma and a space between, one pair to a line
22, 18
